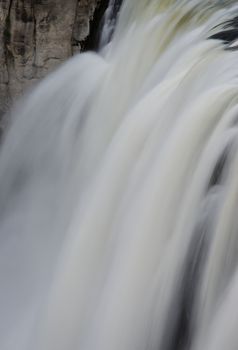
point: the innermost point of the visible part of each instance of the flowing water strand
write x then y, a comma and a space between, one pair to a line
109, 22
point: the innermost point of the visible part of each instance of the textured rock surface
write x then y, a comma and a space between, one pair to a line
37, 35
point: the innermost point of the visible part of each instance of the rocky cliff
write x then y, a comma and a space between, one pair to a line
37, 35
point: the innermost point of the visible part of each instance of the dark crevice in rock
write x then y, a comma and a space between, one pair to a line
92, 41
7, 32
7, 41
34, 38
74, 42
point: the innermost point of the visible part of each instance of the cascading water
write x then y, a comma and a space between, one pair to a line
119, 191
109, 22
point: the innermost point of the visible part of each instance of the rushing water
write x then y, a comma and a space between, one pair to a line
119, 191
109, 22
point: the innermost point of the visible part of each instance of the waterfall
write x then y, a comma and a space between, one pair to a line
109, 22
119, 190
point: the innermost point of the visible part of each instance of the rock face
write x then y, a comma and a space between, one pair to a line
37, 35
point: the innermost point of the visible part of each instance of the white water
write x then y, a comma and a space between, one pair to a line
109, 22
116, 233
